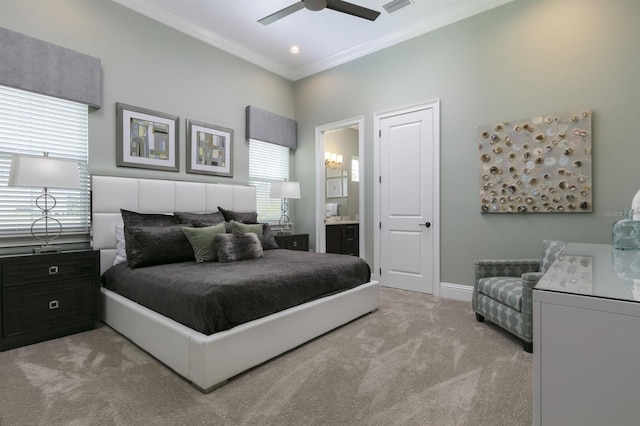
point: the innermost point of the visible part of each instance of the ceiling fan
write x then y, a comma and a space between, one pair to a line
315, 5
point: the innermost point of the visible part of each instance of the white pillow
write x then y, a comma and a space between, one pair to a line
121, 252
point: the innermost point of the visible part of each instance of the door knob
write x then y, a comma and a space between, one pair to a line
426, 224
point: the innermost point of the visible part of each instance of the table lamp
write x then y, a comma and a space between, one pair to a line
45, 172
284, 190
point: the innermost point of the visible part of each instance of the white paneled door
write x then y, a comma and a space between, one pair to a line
407, 241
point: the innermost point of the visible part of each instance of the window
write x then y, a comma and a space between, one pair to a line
32, 124
355, 169
267, 163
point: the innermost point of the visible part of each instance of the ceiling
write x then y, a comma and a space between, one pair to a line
326, 38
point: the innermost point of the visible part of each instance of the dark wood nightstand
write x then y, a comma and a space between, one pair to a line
44, 296
293, 241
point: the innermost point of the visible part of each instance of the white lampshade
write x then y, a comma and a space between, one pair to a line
44, 172
285, 189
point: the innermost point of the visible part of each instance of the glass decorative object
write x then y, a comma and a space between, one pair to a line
626, 264
625, 233
635, 206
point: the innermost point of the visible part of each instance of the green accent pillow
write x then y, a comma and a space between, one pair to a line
245, 228
262, 230
202, 241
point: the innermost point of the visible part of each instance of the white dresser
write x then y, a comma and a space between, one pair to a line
586, 337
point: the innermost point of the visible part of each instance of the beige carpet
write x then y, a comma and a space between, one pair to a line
418, 360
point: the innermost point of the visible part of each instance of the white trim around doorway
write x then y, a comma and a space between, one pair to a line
320, 180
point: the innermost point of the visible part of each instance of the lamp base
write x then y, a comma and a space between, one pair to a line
46, 202
47, 249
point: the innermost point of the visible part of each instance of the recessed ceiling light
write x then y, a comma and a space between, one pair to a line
294, 50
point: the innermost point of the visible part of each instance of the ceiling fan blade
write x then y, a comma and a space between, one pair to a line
352, 9
282, 13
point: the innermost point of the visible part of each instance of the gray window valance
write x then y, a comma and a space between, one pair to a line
270, 127
40, 67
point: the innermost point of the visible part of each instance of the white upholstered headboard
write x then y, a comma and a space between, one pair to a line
110, 194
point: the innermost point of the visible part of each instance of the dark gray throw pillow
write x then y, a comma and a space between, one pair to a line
243, 217
206, 219
267, 239
131, 218
235, 247
227, 225
156, 245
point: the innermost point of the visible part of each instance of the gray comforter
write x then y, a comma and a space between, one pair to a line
211, 297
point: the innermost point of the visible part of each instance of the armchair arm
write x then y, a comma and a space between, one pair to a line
530, 279
505, 267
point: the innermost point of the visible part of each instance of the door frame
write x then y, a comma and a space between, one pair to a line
435, 228
321, 238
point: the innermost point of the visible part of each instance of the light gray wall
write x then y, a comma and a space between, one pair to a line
527, 58
150, 65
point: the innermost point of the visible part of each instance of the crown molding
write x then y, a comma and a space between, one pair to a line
447, 17
454, 14
158, 13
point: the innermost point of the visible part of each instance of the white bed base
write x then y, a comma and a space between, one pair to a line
206, 361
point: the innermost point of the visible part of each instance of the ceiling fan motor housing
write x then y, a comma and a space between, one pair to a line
315, 5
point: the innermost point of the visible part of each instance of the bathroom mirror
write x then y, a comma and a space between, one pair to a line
342, 193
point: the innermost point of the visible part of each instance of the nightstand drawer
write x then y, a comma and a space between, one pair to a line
35, 307
46, 267
293, 242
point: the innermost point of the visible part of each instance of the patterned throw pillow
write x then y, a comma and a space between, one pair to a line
202, 241
235, 247
550, 251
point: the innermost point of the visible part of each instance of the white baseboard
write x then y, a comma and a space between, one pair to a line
456, 291
447, 290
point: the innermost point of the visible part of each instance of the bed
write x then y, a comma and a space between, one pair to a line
206, 360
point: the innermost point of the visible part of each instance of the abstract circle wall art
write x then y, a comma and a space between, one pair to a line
537, 165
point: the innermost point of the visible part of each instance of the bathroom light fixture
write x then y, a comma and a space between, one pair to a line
332, 160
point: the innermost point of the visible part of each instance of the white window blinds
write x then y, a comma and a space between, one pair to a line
33, 124
267, 163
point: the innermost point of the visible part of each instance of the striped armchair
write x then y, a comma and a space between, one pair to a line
503, 288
